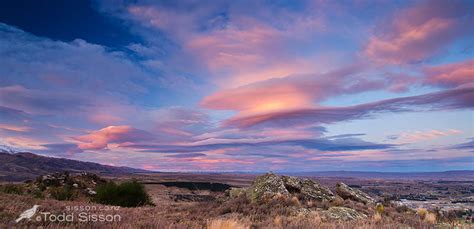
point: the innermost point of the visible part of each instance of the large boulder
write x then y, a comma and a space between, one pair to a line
346, 192
343, 214
267, 186
271, 185
307, 189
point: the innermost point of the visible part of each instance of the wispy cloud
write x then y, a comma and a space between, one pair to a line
100, 139
460, 98
421, 31
260, 85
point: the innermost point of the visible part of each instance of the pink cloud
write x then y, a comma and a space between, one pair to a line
238, 51
417, 136
292, 92
419, 32
16, 128
450, 75
458, 98
100, 139
249, 50
23, 142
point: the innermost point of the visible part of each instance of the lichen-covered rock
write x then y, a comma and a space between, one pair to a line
236, 192
342, 213
292, 184
314, 191
266, 186
347, 192
62, 185
307, 189
271, 185
56, 179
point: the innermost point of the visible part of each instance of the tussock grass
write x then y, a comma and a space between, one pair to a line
226, 224
238, 213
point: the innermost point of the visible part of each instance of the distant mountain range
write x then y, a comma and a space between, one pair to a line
458, 175
24, 166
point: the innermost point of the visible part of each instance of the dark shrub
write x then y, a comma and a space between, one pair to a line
63, 193
127, 194
12, 189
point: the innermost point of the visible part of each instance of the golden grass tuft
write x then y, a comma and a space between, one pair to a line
430, 218
280, 197
278, 222
421, 212
295, 201
338, 201
380, 208
377, 217
225, 224
314, 219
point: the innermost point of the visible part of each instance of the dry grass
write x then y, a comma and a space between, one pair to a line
380, 208
421, 212
278, 222
430, 218
338, 201
226, 224
236, 213
295, 201
377, 217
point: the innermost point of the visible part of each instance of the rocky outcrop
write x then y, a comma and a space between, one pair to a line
267, 186
63, 182
343, 214
271, 185
347, 192
56, 179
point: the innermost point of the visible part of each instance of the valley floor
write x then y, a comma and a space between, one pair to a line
189, 202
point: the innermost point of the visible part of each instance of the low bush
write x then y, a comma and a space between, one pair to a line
12, 189
127, 194
63, 193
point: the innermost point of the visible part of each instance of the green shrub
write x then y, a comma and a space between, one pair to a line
12, 189
127, 194
63, 193
38, 194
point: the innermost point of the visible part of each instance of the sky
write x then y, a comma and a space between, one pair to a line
247, 86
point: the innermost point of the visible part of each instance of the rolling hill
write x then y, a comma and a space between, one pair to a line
24, 166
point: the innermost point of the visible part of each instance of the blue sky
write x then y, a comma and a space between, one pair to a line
241, 85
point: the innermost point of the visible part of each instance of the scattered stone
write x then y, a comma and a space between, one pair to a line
295, 211
347, 192
73, 185
90, 191
343, 214
193, 197
235, 192
56, 179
